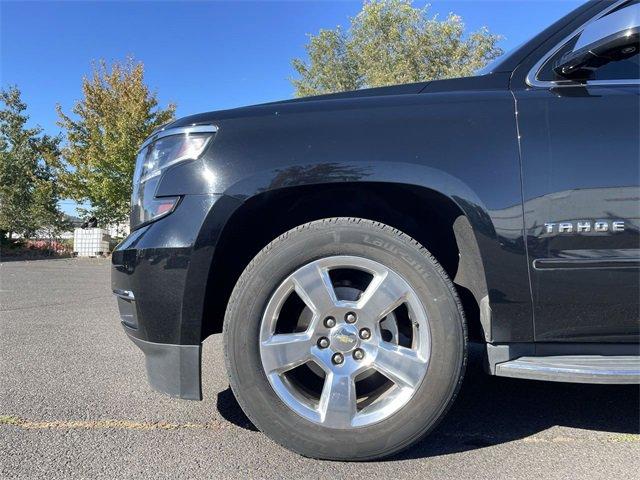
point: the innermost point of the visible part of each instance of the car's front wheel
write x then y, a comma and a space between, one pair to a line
344, 340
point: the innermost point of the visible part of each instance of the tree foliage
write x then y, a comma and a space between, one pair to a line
29, 190
391, 42
117, 112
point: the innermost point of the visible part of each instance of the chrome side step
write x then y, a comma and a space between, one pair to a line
618, 369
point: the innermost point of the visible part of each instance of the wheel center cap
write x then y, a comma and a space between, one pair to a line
344, 338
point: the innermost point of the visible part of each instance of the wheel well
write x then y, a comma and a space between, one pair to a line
421, 213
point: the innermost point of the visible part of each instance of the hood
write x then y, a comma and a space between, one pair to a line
483, 82
404, 89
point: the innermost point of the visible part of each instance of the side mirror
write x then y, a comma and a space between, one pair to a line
611, 38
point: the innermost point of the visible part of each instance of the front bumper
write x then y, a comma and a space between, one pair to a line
171, 369
159, 275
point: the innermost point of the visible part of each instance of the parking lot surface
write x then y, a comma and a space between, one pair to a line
74, 403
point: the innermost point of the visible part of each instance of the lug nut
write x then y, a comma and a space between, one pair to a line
358, 354
350, 317
329, 322
323, 342
365, 334
337, 358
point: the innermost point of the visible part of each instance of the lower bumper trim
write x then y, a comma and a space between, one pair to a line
173, 369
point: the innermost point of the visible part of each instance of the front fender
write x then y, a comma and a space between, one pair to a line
460, 144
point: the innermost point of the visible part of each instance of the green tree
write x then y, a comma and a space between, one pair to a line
29, 190
117, 112
391, 42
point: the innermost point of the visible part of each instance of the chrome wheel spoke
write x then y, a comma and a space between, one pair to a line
338, 400
285, 351
400, 364
314, 286
383, 295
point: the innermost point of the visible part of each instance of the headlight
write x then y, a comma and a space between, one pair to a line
159, 152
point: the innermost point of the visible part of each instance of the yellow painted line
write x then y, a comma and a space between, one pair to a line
15, 421
625, 437
110, 424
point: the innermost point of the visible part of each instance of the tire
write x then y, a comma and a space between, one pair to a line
315, 424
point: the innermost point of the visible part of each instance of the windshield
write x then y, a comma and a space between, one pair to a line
492, 66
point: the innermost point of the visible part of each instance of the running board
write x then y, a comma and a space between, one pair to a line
574, 368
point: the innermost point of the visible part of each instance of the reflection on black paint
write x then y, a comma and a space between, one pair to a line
319, 173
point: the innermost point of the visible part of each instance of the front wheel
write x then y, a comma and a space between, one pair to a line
344, 340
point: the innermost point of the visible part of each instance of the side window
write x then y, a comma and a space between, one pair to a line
623, 69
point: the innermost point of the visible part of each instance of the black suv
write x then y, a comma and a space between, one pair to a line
349, 246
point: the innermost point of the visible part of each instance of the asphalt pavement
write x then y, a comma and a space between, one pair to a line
74, 403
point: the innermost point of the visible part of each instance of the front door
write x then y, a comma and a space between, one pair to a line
580, 147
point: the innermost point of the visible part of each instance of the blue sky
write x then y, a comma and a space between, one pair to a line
201, 55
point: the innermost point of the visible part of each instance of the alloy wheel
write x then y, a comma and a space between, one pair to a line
344, 342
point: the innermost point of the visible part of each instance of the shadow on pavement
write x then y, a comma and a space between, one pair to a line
230, 410
493, 410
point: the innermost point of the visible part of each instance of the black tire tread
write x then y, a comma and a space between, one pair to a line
346, 221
